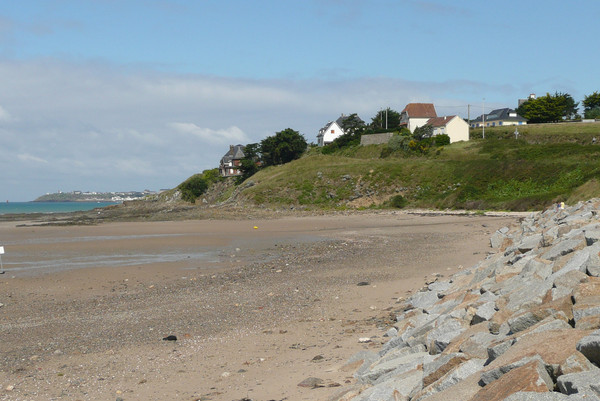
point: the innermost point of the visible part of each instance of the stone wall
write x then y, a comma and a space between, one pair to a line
521, 325
375, 139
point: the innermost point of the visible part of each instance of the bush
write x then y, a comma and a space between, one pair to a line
398, 201
441, 140
192, 188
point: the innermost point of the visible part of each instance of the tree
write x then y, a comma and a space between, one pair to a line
379, 121
591, 105
423, 132
192, 188
283, 147
567, 105
249, 165
352, 124
549, 108
252, 152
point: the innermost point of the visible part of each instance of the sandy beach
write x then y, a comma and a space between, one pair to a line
257, 306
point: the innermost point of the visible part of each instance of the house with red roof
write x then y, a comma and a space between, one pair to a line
416, 115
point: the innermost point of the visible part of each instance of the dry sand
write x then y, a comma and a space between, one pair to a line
255, 310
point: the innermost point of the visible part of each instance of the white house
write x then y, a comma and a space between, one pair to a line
416, 115
331, 131
453, 126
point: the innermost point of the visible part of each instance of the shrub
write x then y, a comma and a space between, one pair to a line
192, 188
398, 201
441, 140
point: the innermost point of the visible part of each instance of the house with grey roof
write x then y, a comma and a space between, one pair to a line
498, 117
231, 161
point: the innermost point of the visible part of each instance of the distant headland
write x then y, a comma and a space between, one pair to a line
80, 196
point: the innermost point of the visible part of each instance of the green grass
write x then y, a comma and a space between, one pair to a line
549, 163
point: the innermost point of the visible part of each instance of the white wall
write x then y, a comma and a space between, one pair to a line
414, 123
457, 129
330, 136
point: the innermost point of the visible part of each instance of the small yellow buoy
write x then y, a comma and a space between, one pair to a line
255, 227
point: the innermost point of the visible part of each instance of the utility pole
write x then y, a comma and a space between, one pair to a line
469, 114
483, 119
386, 118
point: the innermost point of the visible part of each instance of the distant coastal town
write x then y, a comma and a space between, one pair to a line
81, 196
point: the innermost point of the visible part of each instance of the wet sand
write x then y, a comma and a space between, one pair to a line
255, 310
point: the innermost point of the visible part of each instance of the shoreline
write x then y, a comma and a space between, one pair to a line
263, 319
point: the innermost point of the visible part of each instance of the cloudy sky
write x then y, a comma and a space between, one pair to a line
118, 95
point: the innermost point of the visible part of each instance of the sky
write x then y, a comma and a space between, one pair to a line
128, 95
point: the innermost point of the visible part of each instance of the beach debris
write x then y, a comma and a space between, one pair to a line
312, 382
363, 283
317, 358
364, 340
170, 338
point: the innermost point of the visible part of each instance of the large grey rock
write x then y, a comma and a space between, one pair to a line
363, 359
593, 264
534, 396
580, 383
392, 332
394, 343
394, 389
461, 372
530, 293
563, 248
498, 237
590, 347
551, 323
441, 365
591, 233
494, 374
523, 321
570, 280
476, 346
537, 268
398, 365
484, 312
580, 313
528, 243
578, 261
439, 286
402, 351
442, 335
424, 299
496, 350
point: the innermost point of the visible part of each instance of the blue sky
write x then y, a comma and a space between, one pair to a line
118, 95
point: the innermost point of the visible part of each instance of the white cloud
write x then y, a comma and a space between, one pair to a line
26, 157
99, 127
4, 115
231, 135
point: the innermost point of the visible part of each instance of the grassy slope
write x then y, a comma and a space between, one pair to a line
549, 163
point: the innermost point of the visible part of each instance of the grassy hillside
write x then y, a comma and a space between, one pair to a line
549, 163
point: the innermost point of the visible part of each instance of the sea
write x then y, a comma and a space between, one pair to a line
50, 207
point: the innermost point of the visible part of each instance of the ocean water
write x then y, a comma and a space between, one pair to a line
49, 207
